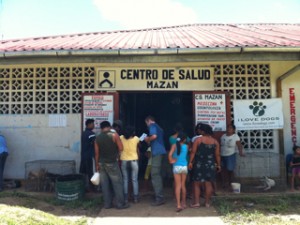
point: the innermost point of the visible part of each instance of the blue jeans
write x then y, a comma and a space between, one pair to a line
229, 162
133, 166
3, 157
156, 177
112, 184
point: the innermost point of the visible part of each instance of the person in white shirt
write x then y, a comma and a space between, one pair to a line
230, 143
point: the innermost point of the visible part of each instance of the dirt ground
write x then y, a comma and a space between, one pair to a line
36, 200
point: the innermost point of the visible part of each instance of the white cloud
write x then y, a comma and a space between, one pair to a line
131, 14
278, 12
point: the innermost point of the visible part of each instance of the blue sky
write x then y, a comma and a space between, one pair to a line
35, 18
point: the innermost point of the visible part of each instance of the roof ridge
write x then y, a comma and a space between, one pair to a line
140, 29
190, 36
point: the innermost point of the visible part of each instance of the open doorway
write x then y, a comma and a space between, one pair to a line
167, 108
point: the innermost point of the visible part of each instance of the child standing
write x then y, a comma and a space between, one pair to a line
178, 157
295, 165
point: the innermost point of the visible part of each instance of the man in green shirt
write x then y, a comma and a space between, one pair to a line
107, 148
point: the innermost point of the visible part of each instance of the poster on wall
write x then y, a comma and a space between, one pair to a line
57, 120
210, 108
258, 114
98, 107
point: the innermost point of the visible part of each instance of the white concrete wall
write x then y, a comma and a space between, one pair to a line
29, 138
258, 164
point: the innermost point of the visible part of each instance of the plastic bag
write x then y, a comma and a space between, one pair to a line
96, 178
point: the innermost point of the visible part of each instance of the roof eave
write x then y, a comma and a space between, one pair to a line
128, 52
271, 49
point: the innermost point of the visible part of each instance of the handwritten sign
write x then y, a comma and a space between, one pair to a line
211, 109
98, 107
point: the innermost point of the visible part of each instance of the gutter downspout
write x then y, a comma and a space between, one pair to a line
282, 77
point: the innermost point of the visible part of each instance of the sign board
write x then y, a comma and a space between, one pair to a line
258, 114
293, 115
147, 79
99, 107
210, 108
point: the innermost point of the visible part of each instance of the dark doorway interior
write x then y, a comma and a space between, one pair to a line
167, 108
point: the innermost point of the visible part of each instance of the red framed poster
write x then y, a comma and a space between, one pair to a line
212, 108
100, 107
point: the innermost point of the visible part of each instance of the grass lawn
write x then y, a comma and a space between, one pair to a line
20, 208
259, 209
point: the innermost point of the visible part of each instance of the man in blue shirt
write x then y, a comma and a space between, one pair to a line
87, 152
3, 156
156, 139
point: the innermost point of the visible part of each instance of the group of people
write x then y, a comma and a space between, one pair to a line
200, 158
116, 157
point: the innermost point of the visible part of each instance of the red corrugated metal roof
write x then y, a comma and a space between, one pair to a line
195, 36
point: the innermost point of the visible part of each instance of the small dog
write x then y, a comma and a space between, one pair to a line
267, 183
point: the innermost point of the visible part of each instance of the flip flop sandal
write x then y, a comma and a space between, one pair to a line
178, 209
195, 206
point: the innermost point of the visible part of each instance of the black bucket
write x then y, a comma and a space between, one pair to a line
70, 187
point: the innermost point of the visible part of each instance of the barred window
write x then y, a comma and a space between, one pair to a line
247, 81
42, 90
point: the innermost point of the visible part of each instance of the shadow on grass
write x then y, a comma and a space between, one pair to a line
87, 206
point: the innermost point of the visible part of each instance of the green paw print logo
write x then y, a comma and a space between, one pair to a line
258, 108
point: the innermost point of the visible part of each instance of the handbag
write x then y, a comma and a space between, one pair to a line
96, 178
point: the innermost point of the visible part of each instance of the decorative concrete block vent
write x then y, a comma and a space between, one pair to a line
41, 175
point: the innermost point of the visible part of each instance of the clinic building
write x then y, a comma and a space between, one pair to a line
192, 73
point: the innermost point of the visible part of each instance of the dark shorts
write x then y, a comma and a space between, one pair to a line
229, 162
296, 170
